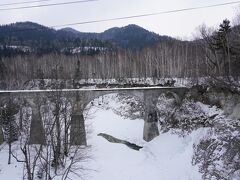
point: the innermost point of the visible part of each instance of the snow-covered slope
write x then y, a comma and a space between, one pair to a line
167, 157
12, 171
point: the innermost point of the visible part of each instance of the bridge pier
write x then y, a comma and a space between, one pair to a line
37, 135
77, 130
150, 129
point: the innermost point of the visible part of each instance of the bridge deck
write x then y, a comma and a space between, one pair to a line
87, 90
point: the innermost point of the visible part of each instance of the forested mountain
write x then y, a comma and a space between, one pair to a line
28, 37
43, 39
131, 36
169, 58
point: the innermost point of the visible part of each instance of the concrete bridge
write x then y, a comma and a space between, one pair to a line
80, 98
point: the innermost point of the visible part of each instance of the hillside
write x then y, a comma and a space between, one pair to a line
41, 39
131, 36
47, 39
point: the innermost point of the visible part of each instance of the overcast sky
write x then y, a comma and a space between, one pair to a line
181, 24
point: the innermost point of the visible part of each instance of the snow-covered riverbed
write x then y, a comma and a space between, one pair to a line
167, 157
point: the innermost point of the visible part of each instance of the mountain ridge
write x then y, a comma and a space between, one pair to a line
131, 36
126, 36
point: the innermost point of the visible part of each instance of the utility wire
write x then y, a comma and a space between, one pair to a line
145, 15
132, 17
24, 2
46, 5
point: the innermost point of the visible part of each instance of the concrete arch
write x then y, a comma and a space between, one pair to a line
147, 95
78, 130
138, 97
174, 95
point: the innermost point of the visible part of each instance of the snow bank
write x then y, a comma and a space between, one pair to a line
13, 171
167, 157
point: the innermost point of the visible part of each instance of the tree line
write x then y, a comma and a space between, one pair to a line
214, 53
170, 59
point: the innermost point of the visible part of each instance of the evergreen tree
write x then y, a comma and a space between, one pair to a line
222, 46
9, 124
77, 75
40, 76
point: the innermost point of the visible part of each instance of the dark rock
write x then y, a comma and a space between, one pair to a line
133, 146
116, 140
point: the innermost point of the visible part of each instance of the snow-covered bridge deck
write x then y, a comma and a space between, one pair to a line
90, 89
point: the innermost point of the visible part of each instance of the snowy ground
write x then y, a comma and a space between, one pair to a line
167, 157
12, 171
